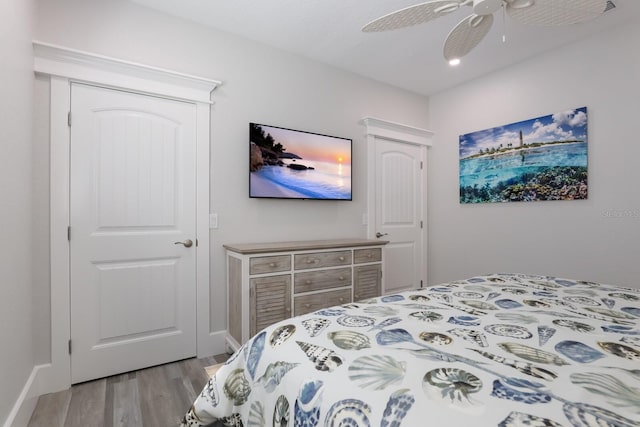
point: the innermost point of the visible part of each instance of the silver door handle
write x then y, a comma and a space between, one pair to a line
187, 243
379, 234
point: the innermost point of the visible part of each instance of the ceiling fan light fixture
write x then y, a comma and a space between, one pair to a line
469, 32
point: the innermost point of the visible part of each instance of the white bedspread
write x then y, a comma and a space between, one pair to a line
498, 350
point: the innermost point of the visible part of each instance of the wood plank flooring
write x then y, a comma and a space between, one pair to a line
152, 397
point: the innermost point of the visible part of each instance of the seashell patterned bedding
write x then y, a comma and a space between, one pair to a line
498, 350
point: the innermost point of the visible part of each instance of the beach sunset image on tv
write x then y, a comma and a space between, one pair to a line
291, 164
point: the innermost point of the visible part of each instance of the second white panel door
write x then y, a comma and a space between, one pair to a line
399, 213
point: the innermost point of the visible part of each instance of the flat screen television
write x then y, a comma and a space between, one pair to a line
293, 164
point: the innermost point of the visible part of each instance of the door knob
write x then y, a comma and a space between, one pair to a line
379, 234
187, 243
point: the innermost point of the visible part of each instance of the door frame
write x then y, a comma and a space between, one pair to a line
64, 66
380, 129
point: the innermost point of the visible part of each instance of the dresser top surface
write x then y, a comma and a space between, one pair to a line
259, 248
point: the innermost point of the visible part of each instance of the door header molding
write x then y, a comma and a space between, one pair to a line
88, 67
398, 131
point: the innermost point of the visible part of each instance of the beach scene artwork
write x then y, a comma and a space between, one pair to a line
291, 164
544, 158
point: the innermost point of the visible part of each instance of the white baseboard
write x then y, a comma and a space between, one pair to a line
213, 344
25, 404
231, 345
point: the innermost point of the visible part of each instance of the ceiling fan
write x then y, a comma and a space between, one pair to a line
471, 30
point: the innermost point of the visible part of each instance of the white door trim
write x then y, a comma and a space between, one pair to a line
377, 129
397, 132
63, 66
88, 67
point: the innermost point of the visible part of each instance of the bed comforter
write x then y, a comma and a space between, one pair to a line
496, 350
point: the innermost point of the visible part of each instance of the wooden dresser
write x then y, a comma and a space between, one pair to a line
269, 282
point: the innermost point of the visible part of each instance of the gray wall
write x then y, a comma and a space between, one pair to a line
596, 239
16, 105
261, 84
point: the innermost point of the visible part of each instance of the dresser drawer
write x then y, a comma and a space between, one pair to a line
269, 264
321, 279
307, 303
321, 259
367, 255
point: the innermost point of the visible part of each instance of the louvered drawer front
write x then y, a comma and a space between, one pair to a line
367, 255
307, 303
269, 264
270, 301
321, 259
367, 282
322, 279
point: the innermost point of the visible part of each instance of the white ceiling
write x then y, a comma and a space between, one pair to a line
411, 58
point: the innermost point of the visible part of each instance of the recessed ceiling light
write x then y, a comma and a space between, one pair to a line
455, 61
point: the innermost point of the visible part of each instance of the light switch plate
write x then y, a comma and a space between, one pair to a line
213, 220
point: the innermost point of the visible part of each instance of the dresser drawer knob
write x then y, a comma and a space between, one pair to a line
341, 299
307, 305
357, 297
311, 261
369, 255
272, 264
308, 282
341, 258
341, 278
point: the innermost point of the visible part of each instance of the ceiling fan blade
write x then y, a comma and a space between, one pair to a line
466, 35
413, 15
554, 12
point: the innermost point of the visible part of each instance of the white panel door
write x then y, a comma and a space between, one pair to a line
399, 213
132, 196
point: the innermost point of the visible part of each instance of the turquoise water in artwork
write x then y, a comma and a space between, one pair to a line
552, 172
492, 169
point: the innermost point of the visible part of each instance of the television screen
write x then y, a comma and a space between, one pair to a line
293, 164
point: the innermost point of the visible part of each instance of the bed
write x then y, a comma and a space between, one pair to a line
496, 350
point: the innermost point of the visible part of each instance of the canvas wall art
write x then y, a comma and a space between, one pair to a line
544, 158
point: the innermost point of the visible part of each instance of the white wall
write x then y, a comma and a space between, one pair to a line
596, 239
260, 84
16, 104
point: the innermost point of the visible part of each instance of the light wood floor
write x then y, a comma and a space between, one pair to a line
152, 397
